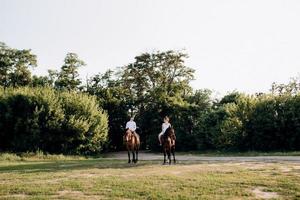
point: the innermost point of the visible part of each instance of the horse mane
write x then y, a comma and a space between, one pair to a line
168, 131
127, 129
137, 139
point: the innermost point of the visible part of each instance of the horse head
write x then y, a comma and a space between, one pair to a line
128, 135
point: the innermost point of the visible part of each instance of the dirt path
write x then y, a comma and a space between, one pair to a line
190, 157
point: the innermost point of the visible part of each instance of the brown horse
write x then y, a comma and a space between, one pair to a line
132, 145
168, 144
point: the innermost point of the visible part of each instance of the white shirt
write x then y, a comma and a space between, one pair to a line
164, 127
131, 125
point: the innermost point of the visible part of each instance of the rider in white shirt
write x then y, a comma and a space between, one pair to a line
164, 127
131, 125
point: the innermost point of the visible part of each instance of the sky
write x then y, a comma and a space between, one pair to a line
243, 45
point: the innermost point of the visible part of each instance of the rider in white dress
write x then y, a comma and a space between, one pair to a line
164, 127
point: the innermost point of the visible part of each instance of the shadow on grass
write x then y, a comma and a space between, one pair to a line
69, 165
55, 166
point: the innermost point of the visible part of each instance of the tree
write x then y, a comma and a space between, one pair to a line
158, 84
292, 88
40, 81
14, 66
68, 77
152, 86
157, 74
230, 98
113, 98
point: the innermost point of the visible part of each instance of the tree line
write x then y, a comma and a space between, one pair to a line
154, 85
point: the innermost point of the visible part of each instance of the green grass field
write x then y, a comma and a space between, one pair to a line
60, 177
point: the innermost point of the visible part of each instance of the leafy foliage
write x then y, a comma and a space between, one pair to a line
14, 66
53, 113
68, 77
52, 121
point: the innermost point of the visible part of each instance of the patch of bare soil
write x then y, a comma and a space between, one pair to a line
259, 193
285, 169
69, 193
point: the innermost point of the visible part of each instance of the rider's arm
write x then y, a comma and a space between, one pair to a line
134, 126
127, 125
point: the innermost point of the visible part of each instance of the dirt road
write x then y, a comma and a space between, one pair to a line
191, 157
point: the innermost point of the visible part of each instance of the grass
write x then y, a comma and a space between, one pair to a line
39, 155
91, 178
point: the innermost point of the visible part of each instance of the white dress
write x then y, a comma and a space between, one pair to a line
164, 127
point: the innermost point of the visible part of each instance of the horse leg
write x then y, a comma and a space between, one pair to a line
129, 161
173, 153
133, 155
164, 156
169, 156
137, 155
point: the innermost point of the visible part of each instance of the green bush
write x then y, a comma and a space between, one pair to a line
186, 119
231, 127
34, 119
257, 123
275, 123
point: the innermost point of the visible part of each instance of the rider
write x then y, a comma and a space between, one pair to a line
164, 127
131, 125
